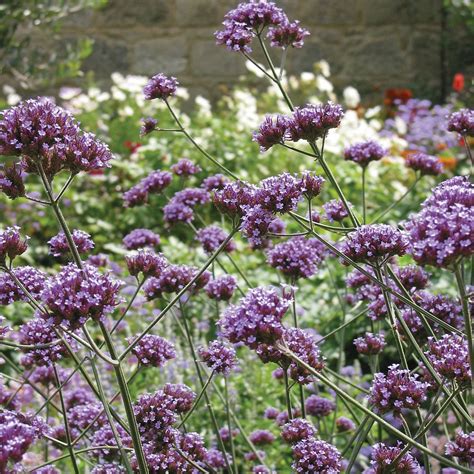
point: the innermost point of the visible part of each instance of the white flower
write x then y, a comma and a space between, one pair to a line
204, 106
323, 85
323, 67
351, 97
307, 76
400, 126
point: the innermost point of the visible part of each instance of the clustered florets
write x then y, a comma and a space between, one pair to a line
219, 357
364, 153
370, 344
185, 168
319, 406
335, 210
221, 288
11, 244
462, 122
212, 237
441, 233
31, 278
383, 460
140, 238
153, 351
146, 262
316, 456
425, 164
296, 430
397, 390
59, 246
462, 447
160, 87
261, 437
155, 183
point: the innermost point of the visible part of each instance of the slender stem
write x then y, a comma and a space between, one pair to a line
347, 323
287, 394
467, 318
129, 305
468, 149
364, 210
65, 187
66, 424
229, 424
262, 69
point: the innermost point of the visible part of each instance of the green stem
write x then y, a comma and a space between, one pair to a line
364, 210
229, 424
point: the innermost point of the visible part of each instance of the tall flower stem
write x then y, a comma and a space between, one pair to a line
287, 394
127, 402
229, 424
364, 209
467, 318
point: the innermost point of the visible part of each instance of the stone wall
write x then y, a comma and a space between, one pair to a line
371, 44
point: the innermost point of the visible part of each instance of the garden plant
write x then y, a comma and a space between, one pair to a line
307, 310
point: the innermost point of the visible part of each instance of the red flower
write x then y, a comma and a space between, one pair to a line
458, 82
400, 94
132, 146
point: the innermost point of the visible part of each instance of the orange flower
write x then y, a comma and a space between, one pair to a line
458, 82
449, 162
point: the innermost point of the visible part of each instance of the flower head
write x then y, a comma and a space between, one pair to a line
11, 182
148, 126
185, 168
219, 357
235, 36
153, 351
272, 131
146, 262
255, 225
365, 152
462, 122
11, 244
257, 14
59, 246
31, 278
316, 456
212, 237
156, 182
261, 437
319, 406
311, 183
425, 164
279, 194
135, 196
233, 198
335, 210
287, 34
296, 430
343, 424
141, 238
160, 87
383, 460
214, 182
462, 447
221, 288
370, 344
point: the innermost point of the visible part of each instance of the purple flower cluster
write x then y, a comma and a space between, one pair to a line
173, 279
59, 246
462, 122
298, 257
441, 233
335, 210
287, 34
158, 411
261, 437
319, 406
374, 242
160, 87
11, 244
450, 357
214, 182
235, 36
81, 416
104, 436
425, 164
343, 425
309, 123
40, 335
11, 182
316, 456
370, 344
296, 430
74, 295
397, 390
233, 198
212, 237
140, 238
256, 319
365, 152
185, 168
155, 183
255, 224
219, 357
31, 278
146, 262
462, 447
221, 288
148, 126
383, 460
311, 184
153, 351
180, 207
279, 194
40, 132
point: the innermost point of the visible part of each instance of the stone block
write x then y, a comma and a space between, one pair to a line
209, 59
197, 13
107, 56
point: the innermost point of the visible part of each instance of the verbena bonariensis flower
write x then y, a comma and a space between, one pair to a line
397, 390
135, 196
298, 257
370, 344
383, 458
214, 182
104, 436
219, 357
277, 226
153, 351
335, 210
462, 447
271, 413
148, 126
303, 344
225, 434
287, 34
319, 406
311, 184
11, 244
78, 396
441, 233
140, 238
462, 122
257, 14
252, 456
160, 87
261, 437
256, 319
235, 36
373, 242
39, 334
425, 164
212, 237
75, 295
175, 212
108, 468
173, 279
31, 278
221, 288
17, 434
233, 198
316, 456
185, 168
59, 246
156, 182
147, 263
343, 424
282, 417
412, 277
272, 131
365, 152
314, 121
215, 459
255, 224
279, 194
191, 197
11, 182
450, 357
81, 416
297, 430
